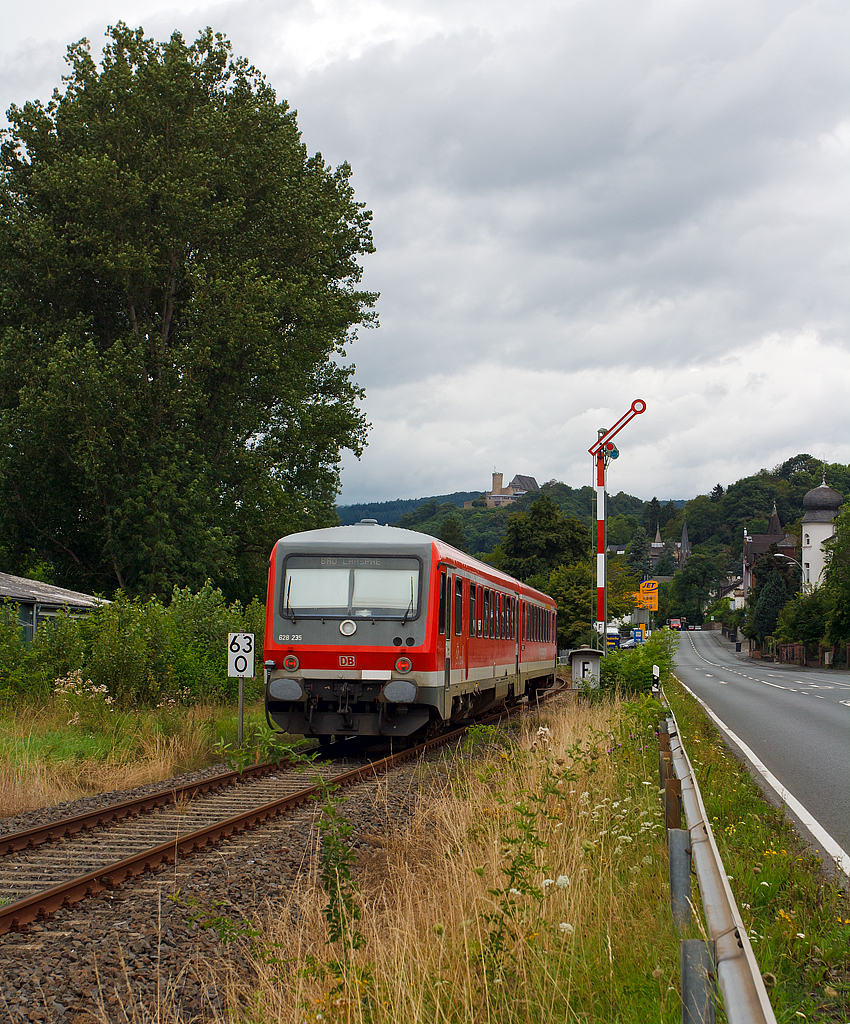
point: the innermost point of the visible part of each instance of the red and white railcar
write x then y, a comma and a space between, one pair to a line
376, 631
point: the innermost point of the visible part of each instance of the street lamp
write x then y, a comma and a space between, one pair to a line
788, 558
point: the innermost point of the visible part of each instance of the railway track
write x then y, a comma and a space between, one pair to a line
56, 865
133, 948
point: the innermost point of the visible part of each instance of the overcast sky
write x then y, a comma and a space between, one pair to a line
576, 204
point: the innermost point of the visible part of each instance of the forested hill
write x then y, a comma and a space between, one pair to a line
715, 520
389, 512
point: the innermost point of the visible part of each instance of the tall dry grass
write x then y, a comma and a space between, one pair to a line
531, 885
149, 747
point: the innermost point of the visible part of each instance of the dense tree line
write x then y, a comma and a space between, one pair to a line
178, 286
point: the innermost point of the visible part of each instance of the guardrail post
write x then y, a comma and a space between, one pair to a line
665, 756
679, 850
673, 802
697, 965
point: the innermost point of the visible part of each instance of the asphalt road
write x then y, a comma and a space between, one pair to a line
796, 722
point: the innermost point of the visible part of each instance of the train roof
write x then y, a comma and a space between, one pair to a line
390, 539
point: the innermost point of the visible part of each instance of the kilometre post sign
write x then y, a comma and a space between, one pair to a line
240, 654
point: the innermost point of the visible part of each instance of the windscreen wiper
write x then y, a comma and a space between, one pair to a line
288, 607
410, 606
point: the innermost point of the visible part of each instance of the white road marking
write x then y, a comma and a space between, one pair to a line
778, 687
830, 846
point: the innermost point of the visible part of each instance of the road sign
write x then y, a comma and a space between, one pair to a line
240, 654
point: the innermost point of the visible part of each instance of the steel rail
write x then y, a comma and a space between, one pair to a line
28, 838
16, 916
745, 998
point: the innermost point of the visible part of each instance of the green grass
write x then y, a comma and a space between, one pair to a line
53, 753
798, 918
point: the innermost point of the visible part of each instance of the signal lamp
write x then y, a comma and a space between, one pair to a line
403, 665
291, 663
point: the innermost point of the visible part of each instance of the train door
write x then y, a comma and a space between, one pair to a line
458, 649
447, 583
515, 628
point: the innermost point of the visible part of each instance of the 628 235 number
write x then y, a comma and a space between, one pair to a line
286, 638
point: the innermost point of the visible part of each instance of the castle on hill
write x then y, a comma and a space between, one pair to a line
499, 495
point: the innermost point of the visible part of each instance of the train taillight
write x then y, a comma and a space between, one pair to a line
291, 663
403, 665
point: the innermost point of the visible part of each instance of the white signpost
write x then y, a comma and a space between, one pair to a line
240, 662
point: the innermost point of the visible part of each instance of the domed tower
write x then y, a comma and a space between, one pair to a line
821, 505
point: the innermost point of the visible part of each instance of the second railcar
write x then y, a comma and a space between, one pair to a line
376, 631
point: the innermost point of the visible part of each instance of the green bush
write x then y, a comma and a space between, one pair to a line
145, 653
630, 671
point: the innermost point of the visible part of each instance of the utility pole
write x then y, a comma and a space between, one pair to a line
603, 451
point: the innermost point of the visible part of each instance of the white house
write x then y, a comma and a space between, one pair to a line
821, 505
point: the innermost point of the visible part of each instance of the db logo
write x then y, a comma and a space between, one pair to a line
346, 661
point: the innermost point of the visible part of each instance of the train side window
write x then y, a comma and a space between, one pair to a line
502, 633
458, 606
492, 613
522, 622
486, 615
442, 613
472, 609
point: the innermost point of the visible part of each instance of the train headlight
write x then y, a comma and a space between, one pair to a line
348, 627
291, 663
285, 689
400, 691
403, 665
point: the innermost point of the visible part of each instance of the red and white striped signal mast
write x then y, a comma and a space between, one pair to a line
603, 451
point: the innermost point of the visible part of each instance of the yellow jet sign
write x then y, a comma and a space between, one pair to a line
648, 596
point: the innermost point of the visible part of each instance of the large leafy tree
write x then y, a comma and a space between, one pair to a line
695, 582
539, 540
177, 288
836, 584
773, 586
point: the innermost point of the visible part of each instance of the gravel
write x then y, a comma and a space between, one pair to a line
120, 956
45, 815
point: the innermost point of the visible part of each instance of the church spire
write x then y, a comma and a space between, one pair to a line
685, 548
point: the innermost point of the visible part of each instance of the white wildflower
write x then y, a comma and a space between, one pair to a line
566, 928
562, 881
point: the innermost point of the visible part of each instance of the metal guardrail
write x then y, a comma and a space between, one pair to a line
745, 998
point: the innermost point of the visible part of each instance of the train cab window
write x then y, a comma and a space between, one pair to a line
458, 606
341, 586
442, 613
